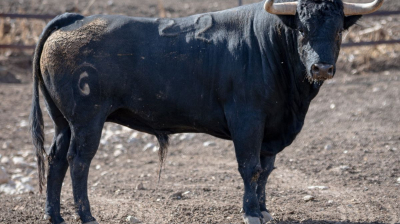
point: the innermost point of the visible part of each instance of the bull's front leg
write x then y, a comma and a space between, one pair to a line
267, 164
247, 131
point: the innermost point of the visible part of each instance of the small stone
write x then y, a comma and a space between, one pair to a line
98, 167
119, 146
23, 123
156, 148
332, 106
17, 176
23, 188
46, 217
398, 180
308, 198
344, 167
148, 146
176, 196
26, 154
117, 153
330, 201
209, 143
186, 136
16, 171
103, 141
76, 217
8, 188
4, 178
328, 147
4, 160
19, 161
25, 180
209, 189
140, 186
133, 138
318, 187
132, 219
6, 145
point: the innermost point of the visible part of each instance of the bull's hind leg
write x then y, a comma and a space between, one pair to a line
267, 164
85, 140
57, 160
58, 166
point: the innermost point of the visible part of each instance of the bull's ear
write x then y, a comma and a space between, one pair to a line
350, 20
289, 21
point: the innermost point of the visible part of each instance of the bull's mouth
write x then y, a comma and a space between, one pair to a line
322, 78
317, 79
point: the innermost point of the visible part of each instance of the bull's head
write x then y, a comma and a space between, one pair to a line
319, 25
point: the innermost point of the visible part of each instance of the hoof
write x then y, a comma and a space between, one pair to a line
92, 222
251, 220
46, 217
267, 217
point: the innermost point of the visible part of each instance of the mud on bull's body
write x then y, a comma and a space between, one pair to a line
242, 74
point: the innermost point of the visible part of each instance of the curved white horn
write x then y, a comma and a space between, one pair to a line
286, 8
351, 9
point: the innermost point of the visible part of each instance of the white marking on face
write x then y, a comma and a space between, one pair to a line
86, 89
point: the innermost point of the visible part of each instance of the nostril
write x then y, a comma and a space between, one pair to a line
315, 69
330, 70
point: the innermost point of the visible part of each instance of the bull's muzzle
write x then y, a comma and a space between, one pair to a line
322, 71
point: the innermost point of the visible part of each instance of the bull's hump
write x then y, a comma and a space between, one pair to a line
62, 47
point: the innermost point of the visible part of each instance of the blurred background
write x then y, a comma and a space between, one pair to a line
22, 31
347, 156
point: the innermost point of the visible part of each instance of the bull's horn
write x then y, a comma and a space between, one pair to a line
351, 9
285, 8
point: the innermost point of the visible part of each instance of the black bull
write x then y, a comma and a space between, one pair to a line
239, 74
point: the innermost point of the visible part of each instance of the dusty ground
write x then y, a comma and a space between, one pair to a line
350, 144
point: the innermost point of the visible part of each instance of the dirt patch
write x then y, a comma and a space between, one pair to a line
63, 46
350, 145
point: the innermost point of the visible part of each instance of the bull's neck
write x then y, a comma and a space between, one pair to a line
281, 60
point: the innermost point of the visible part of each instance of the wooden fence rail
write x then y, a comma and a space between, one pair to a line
48, 17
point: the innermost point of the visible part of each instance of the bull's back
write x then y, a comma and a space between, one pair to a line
128, 63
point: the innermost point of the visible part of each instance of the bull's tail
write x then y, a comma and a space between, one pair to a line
36, 121
162, 152
36, 116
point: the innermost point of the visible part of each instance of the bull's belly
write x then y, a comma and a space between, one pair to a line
156, 122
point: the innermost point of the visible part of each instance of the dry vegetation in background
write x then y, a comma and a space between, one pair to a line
353, 60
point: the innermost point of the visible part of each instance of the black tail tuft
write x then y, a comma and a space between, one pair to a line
162, 152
